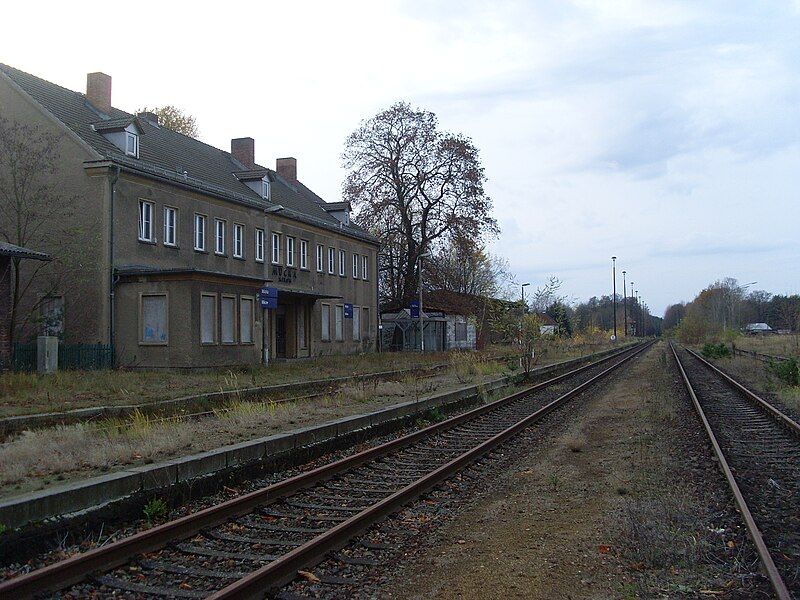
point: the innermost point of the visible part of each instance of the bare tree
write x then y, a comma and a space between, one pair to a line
33, 214
174, 118
415, 187
461, 266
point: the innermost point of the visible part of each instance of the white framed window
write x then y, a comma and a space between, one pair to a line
146, 221
342, 261
289, 251
246, 314
356, 323
331, 261
200, 232
365, 267
339, 322
276, 248
259, 245
238, 240
131, 144
170, 226
265, 188
153, 320
219, 236
227, 318
355, 266
208, 318
304, 254
320, 258
326, 323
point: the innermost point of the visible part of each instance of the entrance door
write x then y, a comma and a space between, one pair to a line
280, 333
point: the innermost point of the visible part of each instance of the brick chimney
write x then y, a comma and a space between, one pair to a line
98, 91
287, 168
244, 150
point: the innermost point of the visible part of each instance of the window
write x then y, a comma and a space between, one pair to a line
320, 253
200, 232
208, 318
219, 236
304, 254
289, 251
461, 331
364, 267
326, 323
260, 245
356, 323
246, 320
339, 322
331, 261
170, 226
238, 240
265, 188
367, 323
276, 248
355, 266
153, 319
227, 315
146, 221
342, 257
131, 144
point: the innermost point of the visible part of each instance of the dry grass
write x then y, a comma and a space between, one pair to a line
777, 345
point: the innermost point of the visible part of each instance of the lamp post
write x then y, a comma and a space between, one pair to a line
523, 286
614, 299
421, 324
633, 317
625, 305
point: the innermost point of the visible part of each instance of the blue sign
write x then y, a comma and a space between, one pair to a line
415, 309
348, 311
268, 297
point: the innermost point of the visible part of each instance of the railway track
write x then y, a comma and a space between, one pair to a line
758, 449
254, 543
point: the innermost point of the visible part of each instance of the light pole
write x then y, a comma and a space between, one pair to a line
614, 302
625, 304
421, 324
523, 286
636, 324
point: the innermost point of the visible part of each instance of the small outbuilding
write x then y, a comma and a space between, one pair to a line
446, 327
8, 254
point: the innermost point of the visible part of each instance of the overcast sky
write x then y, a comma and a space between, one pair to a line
666, 133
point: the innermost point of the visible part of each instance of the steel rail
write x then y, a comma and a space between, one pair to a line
781, 591
782, 418
77, 568
285, 568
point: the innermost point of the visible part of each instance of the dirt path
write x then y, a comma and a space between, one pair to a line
584, 514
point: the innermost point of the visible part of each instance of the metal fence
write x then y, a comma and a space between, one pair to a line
70, 357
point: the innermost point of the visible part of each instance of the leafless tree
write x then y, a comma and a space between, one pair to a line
417, 188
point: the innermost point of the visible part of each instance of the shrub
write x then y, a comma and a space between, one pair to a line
720, 350
155, 510
787, 371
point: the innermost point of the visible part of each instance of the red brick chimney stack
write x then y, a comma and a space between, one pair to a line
287, 168
98, 91
244, 150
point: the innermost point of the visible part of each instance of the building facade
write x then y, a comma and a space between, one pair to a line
180, 239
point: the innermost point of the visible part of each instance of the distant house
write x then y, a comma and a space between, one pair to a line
548, 326
757, 328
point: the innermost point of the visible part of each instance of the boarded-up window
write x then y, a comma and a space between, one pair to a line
461, 331
356, 323
208, 319
246, 321
154, 319
227, 315
326, 323
339, 323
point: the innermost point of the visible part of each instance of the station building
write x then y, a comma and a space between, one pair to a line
180, 240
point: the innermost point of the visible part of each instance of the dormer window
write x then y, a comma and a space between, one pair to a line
131, 144
265, 188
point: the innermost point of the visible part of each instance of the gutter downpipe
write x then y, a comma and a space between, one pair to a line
111, 279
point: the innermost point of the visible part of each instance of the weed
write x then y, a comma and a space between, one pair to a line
155, 510
554, 481
787, 371
3, 528
435, 415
